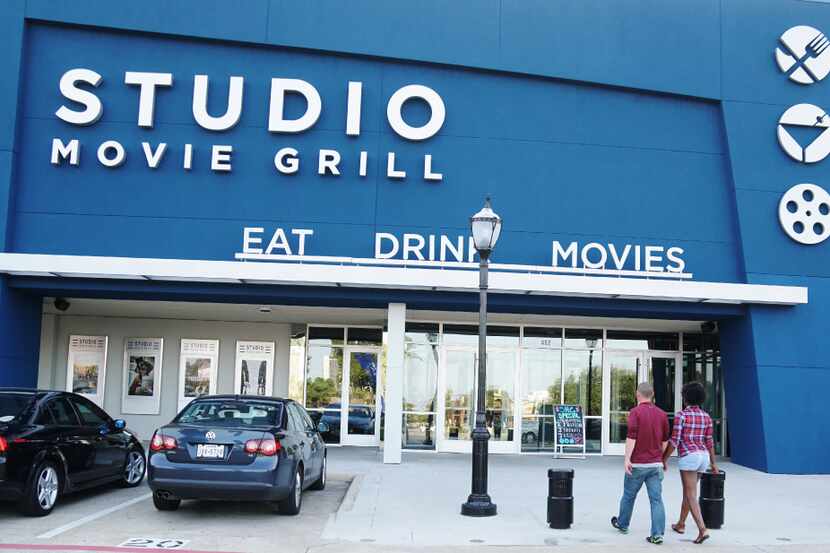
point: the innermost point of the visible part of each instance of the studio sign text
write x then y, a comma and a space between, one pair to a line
75, 85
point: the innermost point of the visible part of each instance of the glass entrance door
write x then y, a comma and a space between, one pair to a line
667, 380
623, 375
457, 400
456, 394
359, 419
625, 371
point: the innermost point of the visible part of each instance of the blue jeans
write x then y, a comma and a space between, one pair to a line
653, 479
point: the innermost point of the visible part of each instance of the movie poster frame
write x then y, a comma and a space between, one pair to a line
142, 405
193, 347
102, 344
257, 351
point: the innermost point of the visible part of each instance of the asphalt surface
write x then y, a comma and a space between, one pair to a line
104, 519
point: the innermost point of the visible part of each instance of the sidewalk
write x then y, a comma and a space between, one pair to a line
417, 504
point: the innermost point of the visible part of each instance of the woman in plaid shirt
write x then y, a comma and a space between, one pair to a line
692, 437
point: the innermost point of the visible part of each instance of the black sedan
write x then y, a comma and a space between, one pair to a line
53, 443
238, 448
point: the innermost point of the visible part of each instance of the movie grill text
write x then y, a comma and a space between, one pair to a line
75, 84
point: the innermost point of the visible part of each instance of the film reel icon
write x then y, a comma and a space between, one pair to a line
804, 213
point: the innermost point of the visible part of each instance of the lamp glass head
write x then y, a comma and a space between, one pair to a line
486, 227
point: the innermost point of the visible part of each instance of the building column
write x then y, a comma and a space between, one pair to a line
19, 337
394, 383
46, 362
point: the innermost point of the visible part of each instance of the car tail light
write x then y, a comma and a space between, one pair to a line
4, 445
267, 446
160, 442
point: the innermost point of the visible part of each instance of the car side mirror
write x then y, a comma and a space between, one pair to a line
323, 427
119, 424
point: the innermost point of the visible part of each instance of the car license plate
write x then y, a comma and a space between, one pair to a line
210, 451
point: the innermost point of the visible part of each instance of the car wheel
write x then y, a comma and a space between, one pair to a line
320, 484
42, 491
164, 503
291, 505
529, 437
134, 469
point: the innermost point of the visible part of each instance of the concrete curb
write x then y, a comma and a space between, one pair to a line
351, 495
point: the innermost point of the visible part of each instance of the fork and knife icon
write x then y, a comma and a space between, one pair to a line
804, 54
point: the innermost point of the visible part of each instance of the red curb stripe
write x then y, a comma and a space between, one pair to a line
107, 548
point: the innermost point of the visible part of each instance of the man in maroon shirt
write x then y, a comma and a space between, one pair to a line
648, 433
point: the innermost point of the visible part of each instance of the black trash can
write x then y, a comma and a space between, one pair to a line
711, 499
560, 498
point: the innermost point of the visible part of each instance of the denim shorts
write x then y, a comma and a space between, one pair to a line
697, 461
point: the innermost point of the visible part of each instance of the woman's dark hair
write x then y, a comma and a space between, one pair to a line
694, 394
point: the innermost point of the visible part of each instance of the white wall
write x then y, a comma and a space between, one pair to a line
56, 330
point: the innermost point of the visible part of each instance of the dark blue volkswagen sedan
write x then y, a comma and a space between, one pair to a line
238, 448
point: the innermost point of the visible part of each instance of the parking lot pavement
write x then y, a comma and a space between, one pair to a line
101, 520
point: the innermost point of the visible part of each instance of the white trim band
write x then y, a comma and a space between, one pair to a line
407, 278
369, 261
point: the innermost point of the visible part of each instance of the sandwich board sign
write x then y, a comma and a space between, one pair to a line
570, 430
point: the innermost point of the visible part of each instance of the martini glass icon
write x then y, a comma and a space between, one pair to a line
810, 118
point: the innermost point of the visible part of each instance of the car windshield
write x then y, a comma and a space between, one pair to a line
12, 405
360, 412
231, 413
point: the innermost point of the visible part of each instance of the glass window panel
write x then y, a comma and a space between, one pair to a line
705, 368
583, 380
326, 336
692, 341
460, 335
538, 434
583, 338
362, 392
420, 377
500, 395
418, 431
332, 419
296, 367
661, 375
502, 337
324, 375
542, 381
422, 332
365, 336
458, 402
700, 342
628, 339
467, 335
535, 337
593, 435
624, 368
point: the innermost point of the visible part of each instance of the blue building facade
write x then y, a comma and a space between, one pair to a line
632, 149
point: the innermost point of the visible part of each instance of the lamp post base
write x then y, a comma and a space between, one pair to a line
478, 506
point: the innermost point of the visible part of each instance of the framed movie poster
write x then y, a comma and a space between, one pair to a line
198, 360
86, 366
141, 388
254, 368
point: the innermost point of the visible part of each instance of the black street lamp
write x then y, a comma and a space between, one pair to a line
486, 227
